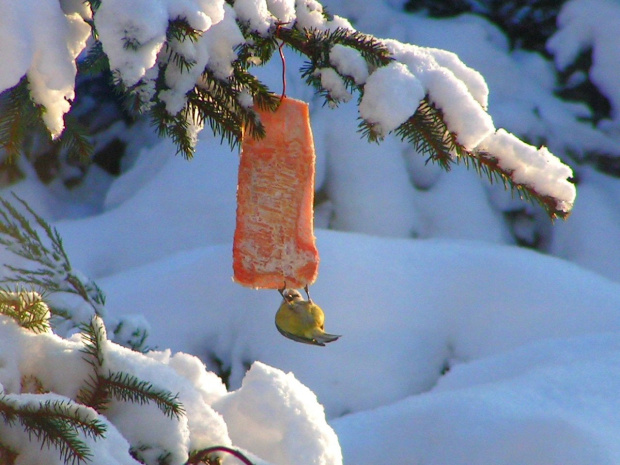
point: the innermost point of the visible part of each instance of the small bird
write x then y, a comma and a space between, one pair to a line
301, 320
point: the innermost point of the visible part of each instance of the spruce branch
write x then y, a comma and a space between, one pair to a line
33, 385
222, 103
317, 45
263, 97
215, 102
180, 30
18, 235
54, 272
427, 131
19, 117
95, 60
21, 120
94, 393
486, 163
177, 32
218, 102
176, 127
94, 338
138, 453
55, 423
75, 141
128, 388
256, 50
101, 388
27, 308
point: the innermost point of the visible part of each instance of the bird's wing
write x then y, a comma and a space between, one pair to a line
299, 338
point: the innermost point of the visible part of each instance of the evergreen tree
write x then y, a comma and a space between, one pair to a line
69, 424
529, 25
38, 416
221, 101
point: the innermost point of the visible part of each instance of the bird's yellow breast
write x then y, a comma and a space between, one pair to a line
301, 318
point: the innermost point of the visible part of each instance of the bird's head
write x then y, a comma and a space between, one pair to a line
291, 295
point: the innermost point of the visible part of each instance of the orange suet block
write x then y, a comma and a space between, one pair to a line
274, 239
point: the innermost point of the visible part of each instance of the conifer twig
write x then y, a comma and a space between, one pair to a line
27, 308
128, 388
101, 388
94, 393
55, 273
19, 115
429, 134
222, 103
55, 423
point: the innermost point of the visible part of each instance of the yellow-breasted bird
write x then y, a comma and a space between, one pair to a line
302, 320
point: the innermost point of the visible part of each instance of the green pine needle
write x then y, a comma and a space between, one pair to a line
95, 61
57, 424
75, 141
216, 103
19, 116
128, 388
100, 389
27, 308
93, 337
427, 131
180, 30
54, 273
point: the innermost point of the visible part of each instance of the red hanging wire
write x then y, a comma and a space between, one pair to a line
280, 47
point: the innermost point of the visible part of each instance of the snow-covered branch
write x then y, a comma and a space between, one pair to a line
187, 63
58, 396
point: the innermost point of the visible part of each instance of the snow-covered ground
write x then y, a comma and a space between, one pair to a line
458, 347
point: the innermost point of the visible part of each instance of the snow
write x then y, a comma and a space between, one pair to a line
41, 42
538, 169
463, 112
458, 347
131, 36
111, 450
333, 83
391, 95
579, 240
309, 14
262, 405
283, 10
541, 415
349, 62
221, 41
255, 14
366, 183
214, 208
61, 365
591, 25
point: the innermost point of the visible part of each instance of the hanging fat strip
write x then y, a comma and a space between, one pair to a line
274, 239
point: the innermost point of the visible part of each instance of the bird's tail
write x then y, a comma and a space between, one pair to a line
324, 338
